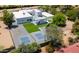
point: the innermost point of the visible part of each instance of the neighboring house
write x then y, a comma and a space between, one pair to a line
31, 15
70, 49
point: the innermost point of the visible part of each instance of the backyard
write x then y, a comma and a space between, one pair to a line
30, 27
42, 25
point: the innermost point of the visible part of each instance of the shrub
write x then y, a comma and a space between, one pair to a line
59, 19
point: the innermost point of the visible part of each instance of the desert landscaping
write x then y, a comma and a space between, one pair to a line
5, 36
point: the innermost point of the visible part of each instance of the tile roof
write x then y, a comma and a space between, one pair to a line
71, 49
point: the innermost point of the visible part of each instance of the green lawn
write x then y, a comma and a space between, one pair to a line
30, 27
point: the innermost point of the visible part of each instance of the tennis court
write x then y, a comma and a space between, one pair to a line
39, 37
20, 35
25, 40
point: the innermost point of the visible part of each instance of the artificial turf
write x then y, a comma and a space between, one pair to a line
30, 27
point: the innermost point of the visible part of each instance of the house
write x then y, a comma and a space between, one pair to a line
38, 13
29, 15
35, 12
47, 15
21, 17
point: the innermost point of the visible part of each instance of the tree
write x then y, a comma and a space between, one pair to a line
65, 8
7, 18
75, 29
29, 48
71, 41
59, 19
33, 47
54, 35
77, 11
51, 9
55, 6
21, 49
72, 14
44, 8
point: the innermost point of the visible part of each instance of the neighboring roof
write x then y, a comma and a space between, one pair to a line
21, 14
46, 14
71, 49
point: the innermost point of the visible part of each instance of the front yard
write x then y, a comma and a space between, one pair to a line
30, 27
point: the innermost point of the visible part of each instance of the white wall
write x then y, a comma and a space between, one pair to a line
22, 20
